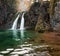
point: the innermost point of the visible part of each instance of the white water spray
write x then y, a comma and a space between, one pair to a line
22, 26
14, 26
22, 22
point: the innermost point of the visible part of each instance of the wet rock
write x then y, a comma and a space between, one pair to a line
20, 52
32, 15
10, 49
4, 52
56, 20
45, 54
1, 55
14, 55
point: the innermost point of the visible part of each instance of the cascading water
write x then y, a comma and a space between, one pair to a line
22, 26
14, 26
22, 22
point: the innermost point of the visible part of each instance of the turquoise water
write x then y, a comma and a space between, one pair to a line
10, 38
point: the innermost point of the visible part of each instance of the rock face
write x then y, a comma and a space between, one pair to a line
35, 11
23, 5
37, 17
32, 15
44, 18
7, 11
56, 20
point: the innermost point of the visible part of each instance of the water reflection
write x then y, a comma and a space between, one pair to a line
12, 43
15, 35
12, 38
22, 34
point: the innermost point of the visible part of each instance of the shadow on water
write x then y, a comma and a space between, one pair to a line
11, 38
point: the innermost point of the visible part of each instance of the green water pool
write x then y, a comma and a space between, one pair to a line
12, 38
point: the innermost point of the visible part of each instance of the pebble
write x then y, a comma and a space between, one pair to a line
4, 52
1, 55
15, 55
20, 52
45, 54
10, 49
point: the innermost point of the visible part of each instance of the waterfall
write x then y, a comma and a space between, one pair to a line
22, 26
14, 26
22, 22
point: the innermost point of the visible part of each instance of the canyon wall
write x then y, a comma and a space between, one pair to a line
34, 11
23, 5
7, 12
56, 19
